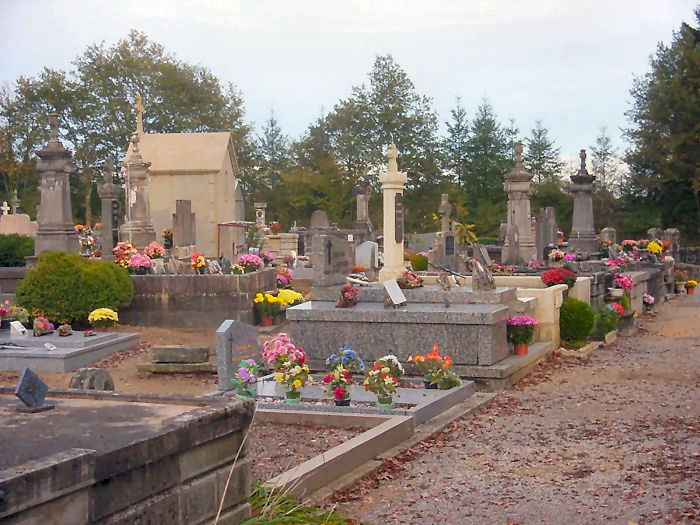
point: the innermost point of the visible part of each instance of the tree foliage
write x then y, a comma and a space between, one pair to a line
542, 155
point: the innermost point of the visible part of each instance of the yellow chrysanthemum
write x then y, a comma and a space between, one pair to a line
279, 377
296, 383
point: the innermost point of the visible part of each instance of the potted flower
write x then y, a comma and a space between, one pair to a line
621, 284
199, 263
250, 262
267, 257
289, 261
123, 252
555, 276
408, 280
266, 307
570, 257
556, 258
103, 318
237, 269
521, 329
648, 301
348, 359
690, 285
168, 238
382, 379
154, 250
5, 311
336, 385
288, 362
435, 370
284, 277
617, 308
246, 379
275, 226
349, 296
680, 278
655, 247
288, 297
140, 264
629, 245
42, 326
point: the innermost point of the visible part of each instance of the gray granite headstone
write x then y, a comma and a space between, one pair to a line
226, 266
332, 259
319, 220
366, 254
482, 255
234, 341
31, 390
482, 279
184, 226
655, 233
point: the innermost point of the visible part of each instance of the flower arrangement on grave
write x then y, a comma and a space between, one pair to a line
349, 296
288, 297
643, 244
154, 250
499, 268
167, 236
275, 226
359, 269
521, 329
623, 281
199, 263
64, 330
288, 362
250, 262
284, 277
42, 326
556, 276
267, 257
336, 384
289, 260
648, 301
5, 309
79, 228
570, 257
237, 269
535, 265
383, 378
629, 245
140, 263
103, 318
408, 280
690, 285
617, 308
86, 239
556, 256
123, 251
655, 247
348, 359
266, 306
680, 276
12, 312
435, 369
246, 378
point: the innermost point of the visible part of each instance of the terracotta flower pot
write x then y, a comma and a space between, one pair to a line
520, 349
266, 321
691, 291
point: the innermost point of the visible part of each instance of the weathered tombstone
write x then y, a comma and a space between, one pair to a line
319, 220
367, 255
363, 221
234, 341
609, 234
393, 295
482, 279
393, 182
332, 259
226, 266
91, 379
214, 267
31, 391
482, 255
184, 225
15, 202
502, 232
583, 237
655, 233
545, 231
511, 248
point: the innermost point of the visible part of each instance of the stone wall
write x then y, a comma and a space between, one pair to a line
176, 475
195, 301
10, 278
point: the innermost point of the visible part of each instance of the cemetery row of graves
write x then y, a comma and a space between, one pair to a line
362, 335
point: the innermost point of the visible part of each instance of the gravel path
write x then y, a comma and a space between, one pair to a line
612, 438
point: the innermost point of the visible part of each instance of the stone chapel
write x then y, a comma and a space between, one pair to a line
201, 168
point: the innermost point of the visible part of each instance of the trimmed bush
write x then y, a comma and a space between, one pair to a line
575, 320
605, 322
66, 287
419, 263
14, 248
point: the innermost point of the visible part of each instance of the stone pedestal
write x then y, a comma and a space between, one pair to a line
54, 216
138, 227
393, 183
109, 194
583, 237
518, 184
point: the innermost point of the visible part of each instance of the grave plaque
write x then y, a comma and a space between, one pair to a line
31, 391
398, 218
393, 295
449, 244
482, 279
214, 267
235, 340
17, 328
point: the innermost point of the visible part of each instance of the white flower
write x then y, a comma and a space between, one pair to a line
385, 370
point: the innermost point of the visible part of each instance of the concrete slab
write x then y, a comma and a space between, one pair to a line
72, 352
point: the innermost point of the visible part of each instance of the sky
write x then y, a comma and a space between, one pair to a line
569, 64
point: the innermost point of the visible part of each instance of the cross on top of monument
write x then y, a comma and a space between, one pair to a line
15, 201
392, 154
5, 208
518, 149
139, 114
53, 122
109, 170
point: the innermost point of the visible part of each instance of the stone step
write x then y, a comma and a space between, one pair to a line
180, 354
177, 368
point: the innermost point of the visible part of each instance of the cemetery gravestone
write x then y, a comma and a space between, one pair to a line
184, 225
234, 341
583, 237
482, 255
655, 233
367, 255
331, 259
482, 279
32, 391
609, 234
545, 231
319, 220
393, 295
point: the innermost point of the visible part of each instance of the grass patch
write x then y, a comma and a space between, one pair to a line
276, 507
574, 344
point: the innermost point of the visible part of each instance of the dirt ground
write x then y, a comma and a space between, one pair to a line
612, 438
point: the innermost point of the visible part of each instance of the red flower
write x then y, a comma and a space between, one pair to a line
302, 357
346, 374
339, 394
328, 378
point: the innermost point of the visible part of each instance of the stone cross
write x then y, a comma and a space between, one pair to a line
582, 156
5, 208
445, 209
139, 114
15, 202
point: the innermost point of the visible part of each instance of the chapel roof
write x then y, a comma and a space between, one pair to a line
184, 151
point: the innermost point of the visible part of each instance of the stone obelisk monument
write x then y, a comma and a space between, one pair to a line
519, 247
138, 227
393, 183
583, 237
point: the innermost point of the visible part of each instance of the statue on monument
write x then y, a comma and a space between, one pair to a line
392, 153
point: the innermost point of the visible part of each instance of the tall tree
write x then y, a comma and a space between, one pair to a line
273, 154
605, 165
456, 142
664, 156
542, 155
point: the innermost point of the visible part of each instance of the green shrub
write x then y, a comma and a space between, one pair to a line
605, 322
575, 320
66, 287
419, 262
14, 248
